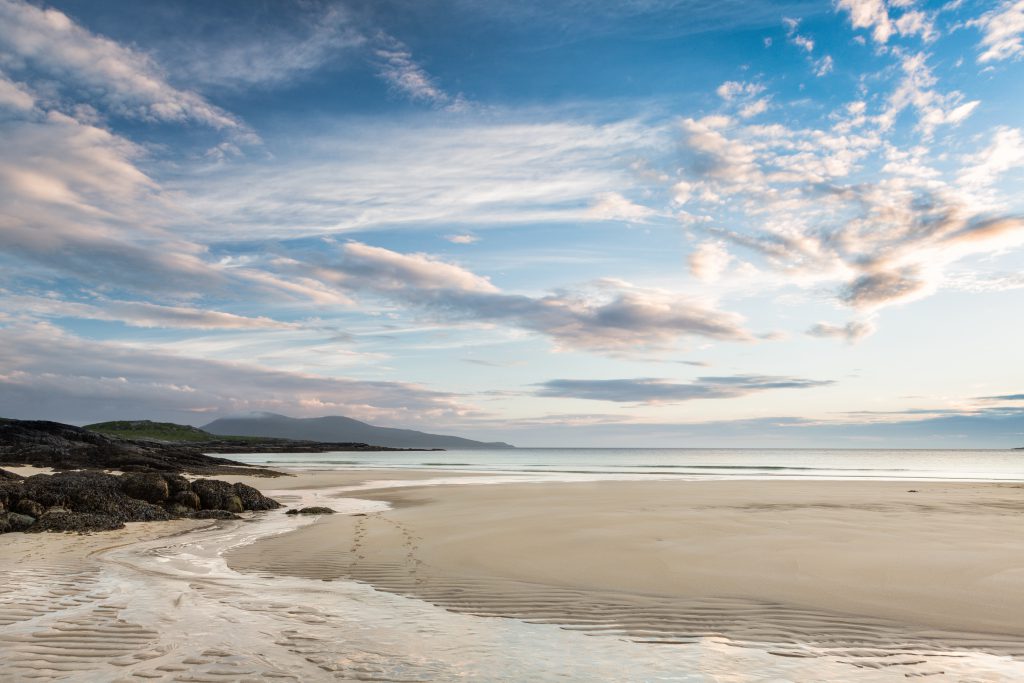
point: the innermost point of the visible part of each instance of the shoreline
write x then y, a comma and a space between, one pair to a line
438, 560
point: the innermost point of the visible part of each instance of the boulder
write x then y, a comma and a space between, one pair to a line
141, 511
176, 484
12, 521
314, 510
177, 510
148, 486
252, 499
10, 493
217, 495
187, 499
27, 506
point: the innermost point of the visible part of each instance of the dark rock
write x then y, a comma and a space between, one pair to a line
96, 501
217, 495
12, 521
81, 522
315, 510
27, 506
252, 499
213, 514
176, 484
141, 511
187, 499
90, 492
148, 486
177, 510
10, 493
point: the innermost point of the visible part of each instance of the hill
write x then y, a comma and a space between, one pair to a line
65, 447
339, 428
162, 431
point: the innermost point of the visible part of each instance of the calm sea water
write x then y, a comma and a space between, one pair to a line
690, 463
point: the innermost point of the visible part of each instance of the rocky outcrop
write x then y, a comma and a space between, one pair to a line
65, 447
95, 501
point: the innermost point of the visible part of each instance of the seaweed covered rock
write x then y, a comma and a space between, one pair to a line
27, 506
81, 522
314, 510
252, 499
217, 495
93, 492
95, 501
12, 521
148, 486
188, 500
176, 484
213, 514
10, 493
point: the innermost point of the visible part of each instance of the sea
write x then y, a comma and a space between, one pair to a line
685, 463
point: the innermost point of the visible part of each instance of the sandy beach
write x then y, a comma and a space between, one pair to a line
682, 580
942, 556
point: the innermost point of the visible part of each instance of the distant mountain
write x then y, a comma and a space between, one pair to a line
338, 428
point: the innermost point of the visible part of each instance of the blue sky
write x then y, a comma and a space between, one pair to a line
651, 223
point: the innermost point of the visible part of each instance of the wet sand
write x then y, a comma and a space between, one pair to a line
872, 558
691, 581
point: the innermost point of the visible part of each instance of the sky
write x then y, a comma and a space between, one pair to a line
661, 223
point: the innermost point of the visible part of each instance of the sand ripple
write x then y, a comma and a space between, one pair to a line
781, 630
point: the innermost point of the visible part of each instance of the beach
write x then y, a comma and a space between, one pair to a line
441, 576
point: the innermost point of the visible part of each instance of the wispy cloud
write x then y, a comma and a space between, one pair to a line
649, 390
1002, 32
136, 313
852, 332
493, 173
287, 47
407, 77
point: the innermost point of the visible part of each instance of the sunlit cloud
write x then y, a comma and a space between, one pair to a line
124, 79
1002, 32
